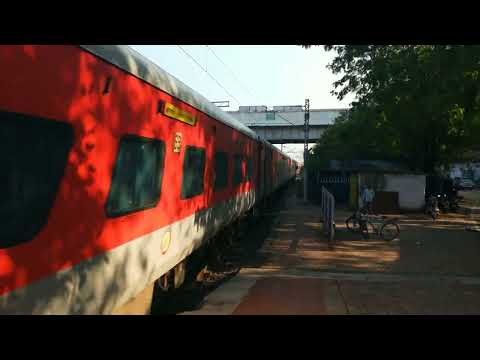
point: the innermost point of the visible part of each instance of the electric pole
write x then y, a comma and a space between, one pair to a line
305, 152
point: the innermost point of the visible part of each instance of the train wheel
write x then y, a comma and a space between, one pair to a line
201, 274
165, 282
179, 274
162, 289
215, 259
235, 234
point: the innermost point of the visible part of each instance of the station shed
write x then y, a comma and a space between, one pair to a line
397, 189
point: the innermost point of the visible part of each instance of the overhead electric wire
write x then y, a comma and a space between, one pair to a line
236, 78
238, 102
228, 93
286, 120
241, 83
231, 71
201, 67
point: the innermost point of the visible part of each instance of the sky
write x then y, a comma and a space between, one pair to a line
252, 74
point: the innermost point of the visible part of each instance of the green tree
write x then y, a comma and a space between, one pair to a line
419, 104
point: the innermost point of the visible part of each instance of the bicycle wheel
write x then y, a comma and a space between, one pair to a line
389, 231
367, 229
352, 224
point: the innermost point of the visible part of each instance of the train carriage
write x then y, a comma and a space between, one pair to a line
113, 173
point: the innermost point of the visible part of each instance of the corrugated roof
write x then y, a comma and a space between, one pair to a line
371, 166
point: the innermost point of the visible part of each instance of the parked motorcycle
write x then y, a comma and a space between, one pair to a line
443, 203
448, 203
445, 191
454, 204
431, 208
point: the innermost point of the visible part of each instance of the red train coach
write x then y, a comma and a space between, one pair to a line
113, 173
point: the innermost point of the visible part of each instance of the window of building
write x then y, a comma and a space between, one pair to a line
221, 170
137, 177
237, 170
33, 156
193, 172
270, 115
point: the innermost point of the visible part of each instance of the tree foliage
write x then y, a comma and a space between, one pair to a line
419, 104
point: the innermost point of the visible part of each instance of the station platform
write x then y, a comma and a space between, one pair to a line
432, 268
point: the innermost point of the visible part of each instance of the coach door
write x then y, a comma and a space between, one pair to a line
260, 171
267, 170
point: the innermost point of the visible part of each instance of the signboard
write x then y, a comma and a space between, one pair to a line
174, 112
177, 144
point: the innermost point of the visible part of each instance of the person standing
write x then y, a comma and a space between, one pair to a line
367, 198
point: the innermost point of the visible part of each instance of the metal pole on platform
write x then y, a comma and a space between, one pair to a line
305, 152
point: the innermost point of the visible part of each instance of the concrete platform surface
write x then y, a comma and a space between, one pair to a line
432, 268
277, 293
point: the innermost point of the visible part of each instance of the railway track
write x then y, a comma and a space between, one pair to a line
240, 252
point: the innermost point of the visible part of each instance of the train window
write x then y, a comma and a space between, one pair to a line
221, 170
193, 172
33, 156
237, 170
137, 177
248, 173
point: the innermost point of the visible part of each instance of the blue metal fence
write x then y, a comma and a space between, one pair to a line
328, 214
338, 184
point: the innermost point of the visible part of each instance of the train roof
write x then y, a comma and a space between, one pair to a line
138, 65
131, 61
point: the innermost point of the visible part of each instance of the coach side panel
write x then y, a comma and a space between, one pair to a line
82, 259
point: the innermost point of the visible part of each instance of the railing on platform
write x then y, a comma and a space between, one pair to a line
328, 214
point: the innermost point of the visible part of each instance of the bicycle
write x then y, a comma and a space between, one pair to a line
355, 220
362, 222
